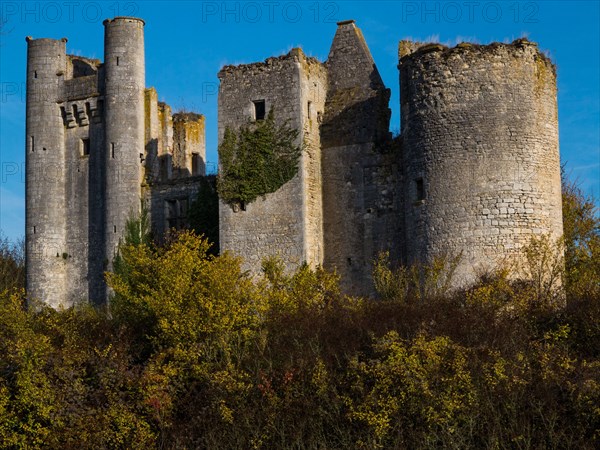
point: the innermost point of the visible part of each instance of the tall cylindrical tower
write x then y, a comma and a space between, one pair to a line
124, 126
480, 156
45, 172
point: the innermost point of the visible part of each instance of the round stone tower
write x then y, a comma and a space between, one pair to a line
46, 250
480, 152
124, 128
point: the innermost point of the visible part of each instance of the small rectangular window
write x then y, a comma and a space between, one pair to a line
35, 74
34, 229
85, 147
259, 109
117, 60
197, 165
32, 144
309, 109
420, 189
112, 150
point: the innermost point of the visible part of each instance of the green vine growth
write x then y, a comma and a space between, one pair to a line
257, 160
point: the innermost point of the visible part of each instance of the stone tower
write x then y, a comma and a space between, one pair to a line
359, 193
124, 127
480, 151
46, 228
343, 206
289, 222
475, 171
98, 145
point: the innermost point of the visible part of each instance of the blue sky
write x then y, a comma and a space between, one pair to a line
188, 42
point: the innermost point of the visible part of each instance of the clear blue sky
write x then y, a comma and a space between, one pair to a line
188, 42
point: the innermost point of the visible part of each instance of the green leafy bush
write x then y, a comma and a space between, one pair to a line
195, 353
257, 160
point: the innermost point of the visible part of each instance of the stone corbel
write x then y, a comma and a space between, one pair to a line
82, 116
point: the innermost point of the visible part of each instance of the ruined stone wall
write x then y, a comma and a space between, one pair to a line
189, 147
476, 170
313, 90
161, 198
481, 164
278, 223
360, 199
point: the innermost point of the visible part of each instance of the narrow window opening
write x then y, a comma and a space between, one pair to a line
85, 147
196, 164
117, 60
420, 189
349, 261
35, 74
309, 109
114, 228
112, 150
34, 229
32, 139
163, 169
44, 148
176, 212
259, 109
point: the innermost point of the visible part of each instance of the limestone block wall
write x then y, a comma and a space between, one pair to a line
82, 111
189, 147
153, 136
167, 203
481, 163
476, 170
94, 137
313, 90
278, 223
125, 125
354, 131
45, 172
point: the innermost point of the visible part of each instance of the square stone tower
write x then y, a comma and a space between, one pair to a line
288, 222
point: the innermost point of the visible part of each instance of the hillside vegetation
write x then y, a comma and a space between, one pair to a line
194, 353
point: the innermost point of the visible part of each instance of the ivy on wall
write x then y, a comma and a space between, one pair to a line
257, 160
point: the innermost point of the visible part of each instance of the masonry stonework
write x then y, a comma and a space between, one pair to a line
286, 223
475, 171
99, 146
480, 135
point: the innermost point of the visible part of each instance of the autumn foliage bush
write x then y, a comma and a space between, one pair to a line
192, 352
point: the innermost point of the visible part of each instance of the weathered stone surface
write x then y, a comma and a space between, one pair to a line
98, 142
476, 170
287, 223
480, 129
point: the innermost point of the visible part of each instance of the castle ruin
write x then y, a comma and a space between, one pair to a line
475, 170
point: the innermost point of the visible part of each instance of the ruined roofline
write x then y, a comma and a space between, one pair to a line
351, 23
31, 40
294, 53
93, 61
187, 116
408, 49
